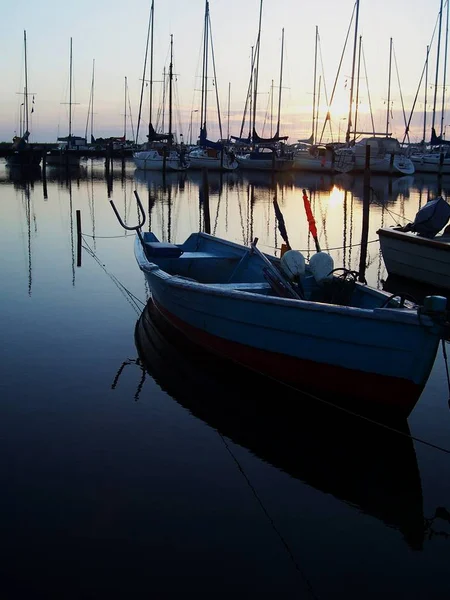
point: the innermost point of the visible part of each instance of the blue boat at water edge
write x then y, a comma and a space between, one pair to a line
301, 324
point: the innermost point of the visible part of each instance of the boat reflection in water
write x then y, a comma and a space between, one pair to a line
358, 462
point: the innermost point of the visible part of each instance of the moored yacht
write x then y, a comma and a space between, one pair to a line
386, 156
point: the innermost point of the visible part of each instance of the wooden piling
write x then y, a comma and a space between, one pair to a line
206, 213
365, 220
44, 174
78, 213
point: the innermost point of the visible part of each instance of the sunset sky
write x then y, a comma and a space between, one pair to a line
114, 35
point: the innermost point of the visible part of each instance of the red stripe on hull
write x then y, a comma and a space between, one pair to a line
365, 392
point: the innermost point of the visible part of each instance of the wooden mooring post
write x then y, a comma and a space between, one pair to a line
365, 220
78, 213
44, 174
205, 202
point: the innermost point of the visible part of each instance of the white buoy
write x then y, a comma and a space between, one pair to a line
293, 264
321, 265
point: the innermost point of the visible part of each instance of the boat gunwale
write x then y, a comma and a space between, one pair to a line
409, 237
407, 316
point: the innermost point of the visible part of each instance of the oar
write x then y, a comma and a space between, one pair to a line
281, 223
311, 220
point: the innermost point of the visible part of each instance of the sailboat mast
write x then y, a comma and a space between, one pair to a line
349, 119
389, 89
151, 67
170, 88
150, 21
317, 110
314, 89
437, 66
92, 101
445, 73
204, 69
26, 83
228, 111
164, 101
271, 109
277, 133
357, 88
125, 114
252, 75
425, 98
255, 86
70, 94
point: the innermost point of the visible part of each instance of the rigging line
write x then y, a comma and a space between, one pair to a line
131, 116
368, 93
244, 115
105, 237
390, 212
323, 70
420, 81
150, 20
329, 249
215, 77
129, 296
270, 519
354, 414
401, 93
445, 71
339, 69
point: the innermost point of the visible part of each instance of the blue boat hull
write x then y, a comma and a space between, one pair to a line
380, 357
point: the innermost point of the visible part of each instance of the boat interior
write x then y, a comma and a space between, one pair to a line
228, 266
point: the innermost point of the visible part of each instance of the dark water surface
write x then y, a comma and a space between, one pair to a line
135, 466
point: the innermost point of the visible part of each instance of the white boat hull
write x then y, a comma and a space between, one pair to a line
431, 163
152, 160
202, 159
389, 164
312, 163
415, 257
279, 164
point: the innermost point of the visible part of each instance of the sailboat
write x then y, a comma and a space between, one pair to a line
210, 155
436, 159
23, 154
160, 153
386, 154
267, 154
67, 154
309, 156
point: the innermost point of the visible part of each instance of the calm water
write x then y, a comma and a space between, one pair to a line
134, 466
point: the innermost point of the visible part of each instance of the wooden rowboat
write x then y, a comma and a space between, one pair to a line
331, 336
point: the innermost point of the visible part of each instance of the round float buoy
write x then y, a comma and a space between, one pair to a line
293, 264
321, 265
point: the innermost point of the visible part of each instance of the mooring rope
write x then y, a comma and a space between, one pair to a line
329, 249
270, 519
129, 296
354, 414
106, 237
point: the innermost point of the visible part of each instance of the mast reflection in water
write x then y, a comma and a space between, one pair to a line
194, 489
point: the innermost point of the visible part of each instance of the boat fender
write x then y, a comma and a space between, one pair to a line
321, 265
293, 264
